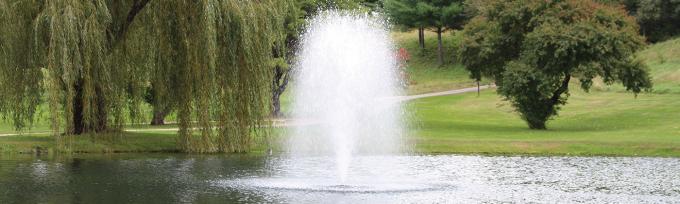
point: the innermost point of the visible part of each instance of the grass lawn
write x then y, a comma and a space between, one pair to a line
664, 62
599, 123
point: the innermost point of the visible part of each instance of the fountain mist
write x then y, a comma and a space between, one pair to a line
346, 80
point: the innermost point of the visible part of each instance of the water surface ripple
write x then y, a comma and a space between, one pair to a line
175, 178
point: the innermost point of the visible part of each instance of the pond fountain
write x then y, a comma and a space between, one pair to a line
346, 82
346, 75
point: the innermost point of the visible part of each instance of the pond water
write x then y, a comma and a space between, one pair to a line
178, 178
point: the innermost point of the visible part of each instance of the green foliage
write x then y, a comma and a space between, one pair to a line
658, 19
403, 12
225, 70
429, 14
311, 7
72, 42
532, 50
532, 93
21, 81
438, 15
209, 59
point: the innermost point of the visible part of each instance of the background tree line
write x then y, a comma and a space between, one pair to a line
658, 19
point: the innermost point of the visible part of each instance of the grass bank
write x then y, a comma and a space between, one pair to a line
142, 140
598, 123
128, 142
664, 63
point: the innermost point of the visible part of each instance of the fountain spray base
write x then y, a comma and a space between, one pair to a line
333, 186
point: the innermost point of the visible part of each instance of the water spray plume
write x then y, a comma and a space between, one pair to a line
347, 76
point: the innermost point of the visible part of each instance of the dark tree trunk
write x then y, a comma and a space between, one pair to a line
160, 112
276, 105
118, 31
551, 103
555, 99
159, 117
536, 125
279, 85
102, 112
440, 54
80, 126
161, 106
421, 37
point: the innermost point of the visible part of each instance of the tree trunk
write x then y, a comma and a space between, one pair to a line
536, 125
440, 55
78, 126
279, 85
101, 114
159, 116
421, 37
276, 104
539, 124
563, 88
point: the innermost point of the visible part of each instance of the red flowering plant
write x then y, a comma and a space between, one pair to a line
402, 62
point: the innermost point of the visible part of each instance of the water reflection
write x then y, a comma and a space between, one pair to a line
176, 178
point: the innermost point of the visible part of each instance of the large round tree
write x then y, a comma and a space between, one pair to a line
534, 49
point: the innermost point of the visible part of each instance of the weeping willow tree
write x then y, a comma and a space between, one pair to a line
212, 59
71, 44
225, 70
20, 77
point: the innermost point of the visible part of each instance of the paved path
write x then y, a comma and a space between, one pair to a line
443, 93
290, 123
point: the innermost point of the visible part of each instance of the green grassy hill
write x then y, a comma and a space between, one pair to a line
425, 74
664, 63
606, 121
